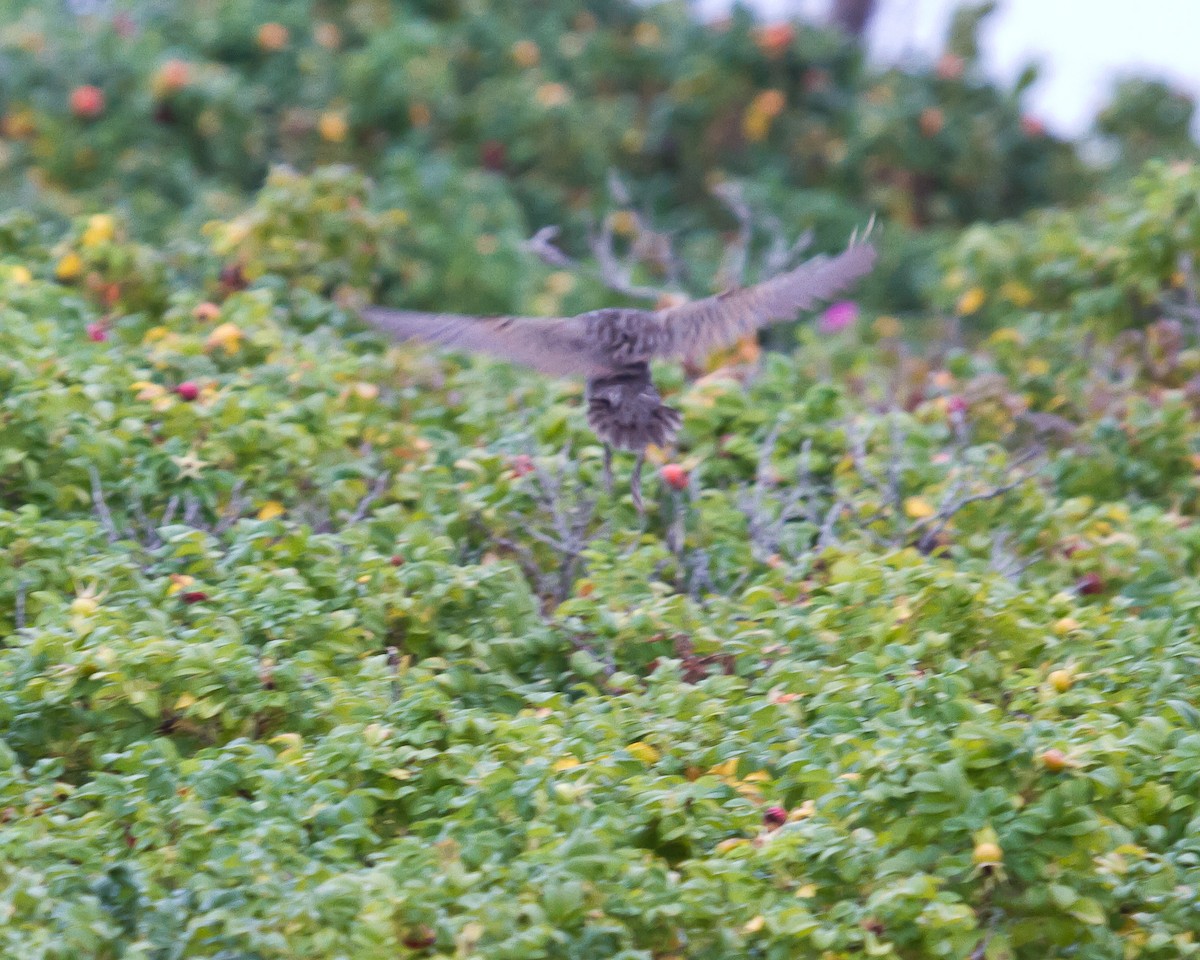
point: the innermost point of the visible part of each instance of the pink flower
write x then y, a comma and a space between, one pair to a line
838, 316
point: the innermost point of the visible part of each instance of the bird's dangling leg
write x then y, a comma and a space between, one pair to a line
635, 482
608, 476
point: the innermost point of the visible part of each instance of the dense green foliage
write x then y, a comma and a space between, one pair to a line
315, 647
336, 650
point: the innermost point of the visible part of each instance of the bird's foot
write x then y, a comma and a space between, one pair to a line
608, 474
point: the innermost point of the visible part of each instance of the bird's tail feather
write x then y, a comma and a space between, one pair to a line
634, 429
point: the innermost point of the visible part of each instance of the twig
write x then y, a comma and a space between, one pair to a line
766, 524
233, 511
737, 255
19, 613
781, 255
570, 526
856, 446
805, 489
524, 556
106, 517
541, 245
191, 510
374, 493
607, 666
616, 275
896, 443
700, 579
150, 538
393, 662
1004, 561
617, 188
825, 537
953, 502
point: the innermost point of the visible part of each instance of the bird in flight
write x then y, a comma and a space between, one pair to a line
612, 347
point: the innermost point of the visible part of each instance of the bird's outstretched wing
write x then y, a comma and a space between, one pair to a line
554, 345
702, 326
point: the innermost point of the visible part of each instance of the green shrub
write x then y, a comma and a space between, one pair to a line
343, 655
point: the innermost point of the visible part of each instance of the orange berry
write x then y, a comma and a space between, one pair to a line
1054, 760
273, 37
333, 127
770, 102
525, 54
172, 76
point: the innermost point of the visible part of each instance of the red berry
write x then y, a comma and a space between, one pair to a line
419, 938
674, 476
521, 464
950, 66
87, 102
1032, 127
775, 38
1089, 584
816, 80
931, 121
195, 596
397, 560
206, 311
97, 332
187, 390
124, 25
774, 817
493, 156
232, 278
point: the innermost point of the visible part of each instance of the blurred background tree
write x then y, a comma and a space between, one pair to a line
176, 114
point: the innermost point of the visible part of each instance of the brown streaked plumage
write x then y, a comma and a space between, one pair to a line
612, 347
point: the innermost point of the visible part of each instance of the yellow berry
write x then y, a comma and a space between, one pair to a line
69, 267
333, 127
1061, 680
84, 606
